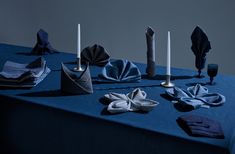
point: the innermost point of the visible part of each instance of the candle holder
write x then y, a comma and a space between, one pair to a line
79, 67
168, 83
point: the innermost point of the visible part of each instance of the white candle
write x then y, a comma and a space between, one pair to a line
79, 42
168, 65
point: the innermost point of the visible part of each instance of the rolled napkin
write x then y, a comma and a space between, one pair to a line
73, 84
150, 39
195, 125
200, 47
23, 75
196, 96
43, 46
120, 71
133, 101
95, 55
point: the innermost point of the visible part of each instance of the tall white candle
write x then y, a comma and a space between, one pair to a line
79, 42
168, 65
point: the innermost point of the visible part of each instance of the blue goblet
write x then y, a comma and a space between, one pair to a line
212, 70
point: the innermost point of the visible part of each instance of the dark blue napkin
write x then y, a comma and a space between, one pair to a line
23, 75
150, 39
200, 47
95, 55
43, 46
195, 125
120, 71
76, 83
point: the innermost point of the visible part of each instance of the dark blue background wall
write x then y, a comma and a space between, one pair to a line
119, 25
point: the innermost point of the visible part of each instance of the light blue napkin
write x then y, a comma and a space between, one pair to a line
23, 75
120, 71
196, 96
133, 101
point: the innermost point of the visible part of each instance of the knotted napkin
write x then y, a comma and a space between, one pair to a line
195, 125
133, 101
196, 96
120, 70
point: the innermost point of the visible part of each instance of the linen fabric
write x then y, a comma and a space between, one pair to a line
133, 101
43, 46
195, 125
120, 70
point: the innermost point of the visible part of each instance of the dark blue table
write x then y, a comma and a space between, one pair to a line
42, 120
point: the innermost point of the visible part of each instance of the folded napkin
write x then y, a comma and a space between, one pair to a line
133, 101
120, 71
195, 125
150, 39
23, 75
196, 96
200, 47
95, 55
73, 83
42, 46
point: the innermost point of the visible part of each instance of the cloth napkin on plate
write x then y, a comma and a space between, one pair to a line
23, 75
120, 71
43, 46
95, 55
74, 83
196, 96
195, 125
133, 101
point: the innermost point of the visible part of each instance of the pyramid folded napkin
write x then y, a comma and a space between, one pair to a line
43, 46
195, 125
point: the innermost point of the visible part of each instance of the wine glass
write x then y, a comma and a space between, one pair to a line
212, 70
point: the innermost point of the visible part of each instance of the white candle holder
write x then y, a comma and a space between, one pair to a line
79, 67
168, 83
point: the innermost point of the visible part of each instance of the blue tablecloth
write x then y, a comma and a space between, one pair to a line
41, 120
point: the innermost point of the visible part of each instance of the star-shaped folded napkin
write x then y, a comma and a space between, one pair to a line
43, 46
133, 101
95, 55
120, 70
196, 96
76, 84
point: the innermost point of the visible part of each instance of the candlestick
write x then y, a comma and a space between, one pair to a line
168, 65
79, 42
168, 83
79, 67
